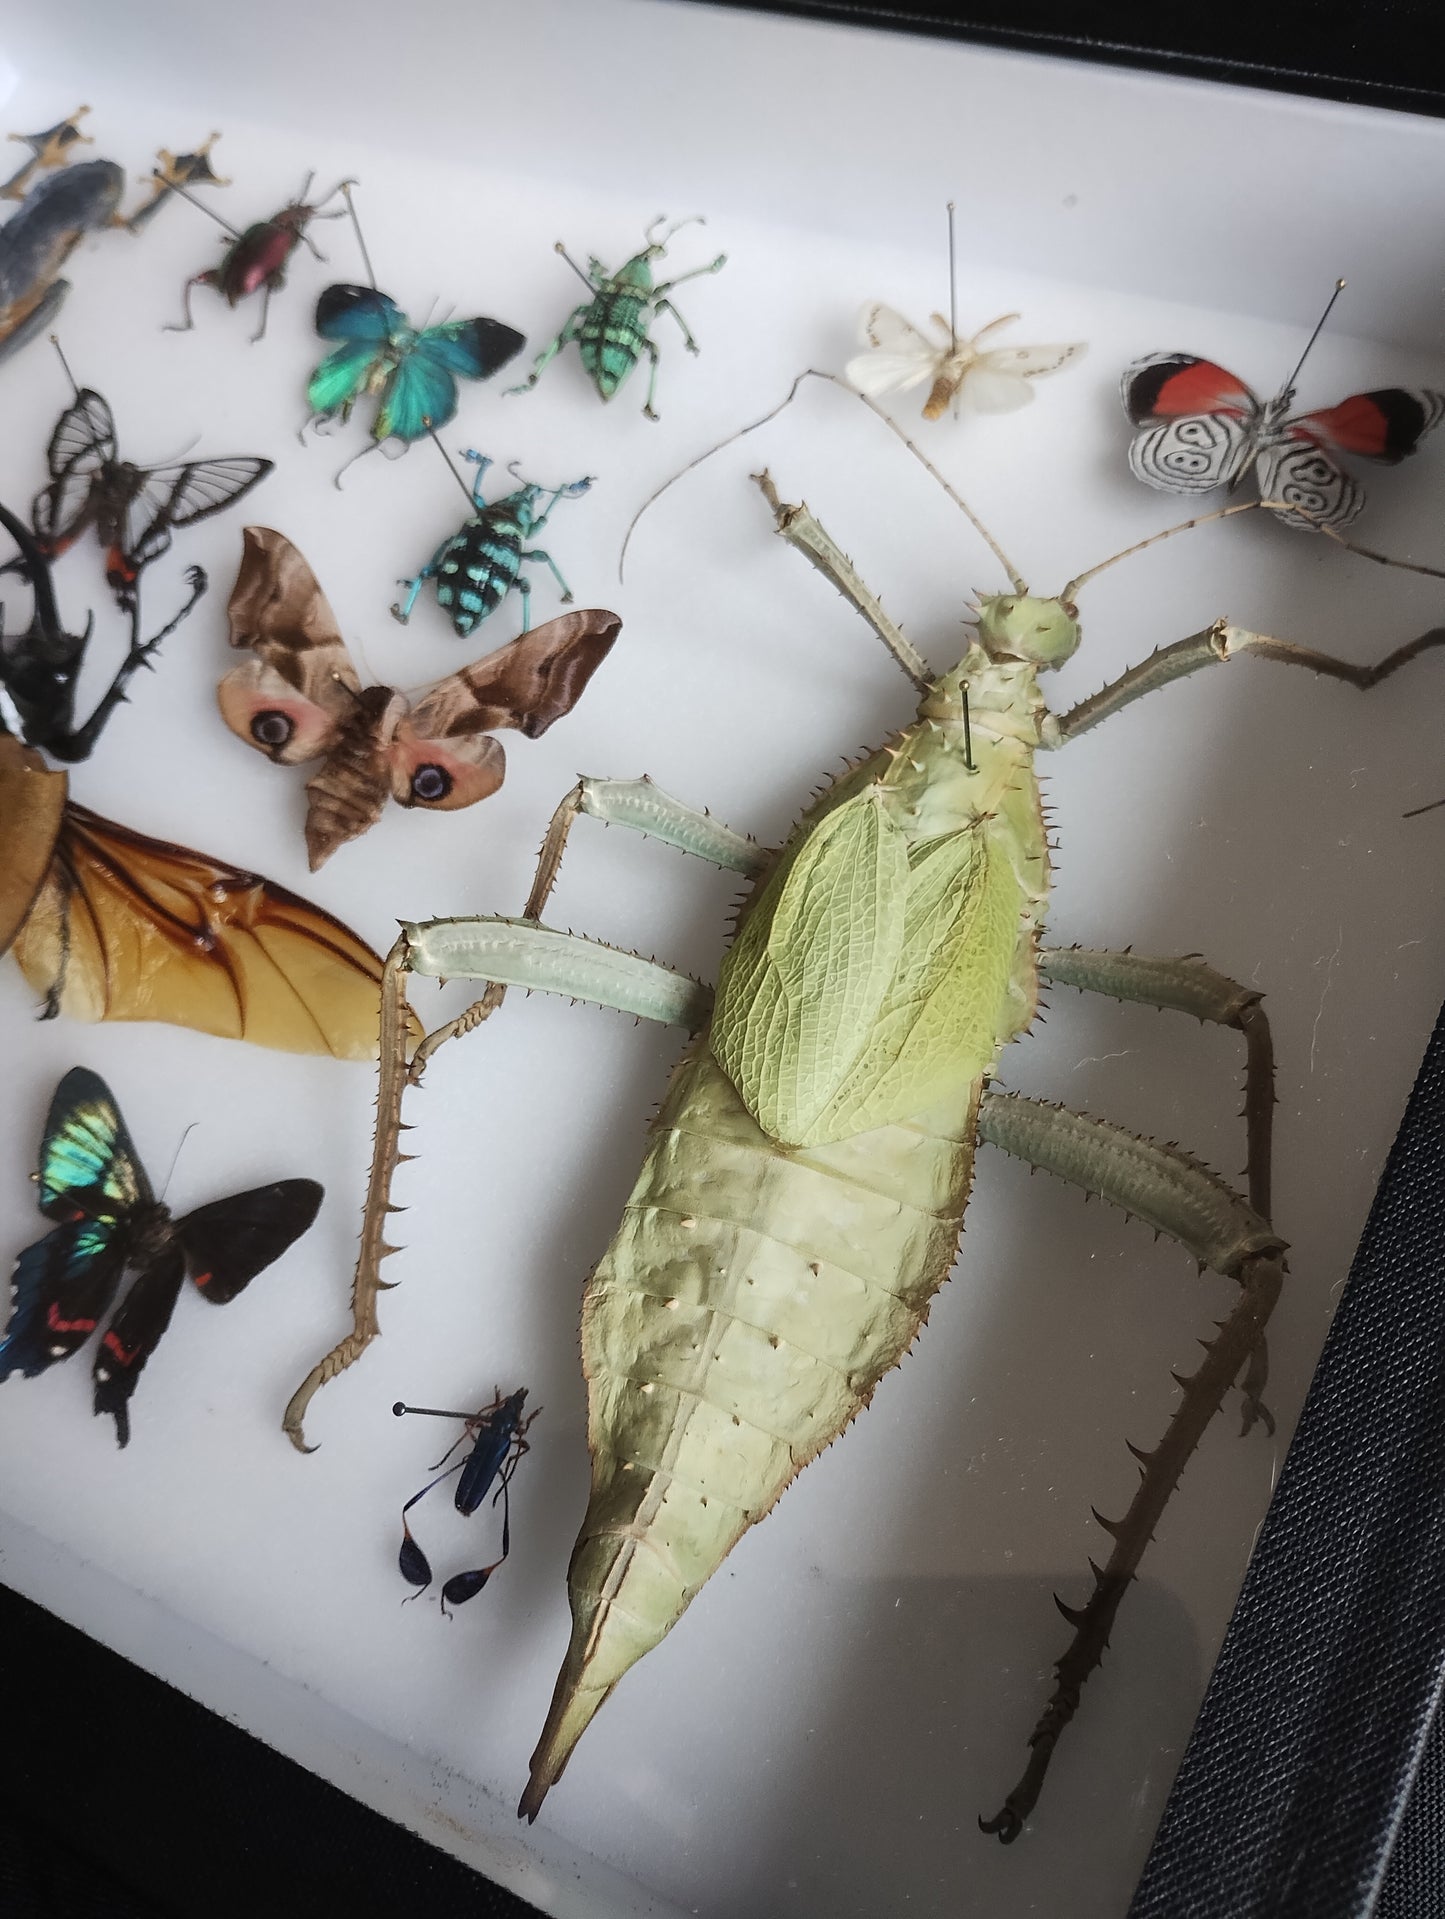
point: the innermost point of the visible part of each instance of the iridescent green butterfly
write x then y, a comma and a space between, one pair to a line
411, 371
91, 1181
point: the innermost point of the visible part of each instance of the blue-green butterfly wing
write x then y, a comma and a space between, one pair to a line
365, 322
422, 392
91, 1180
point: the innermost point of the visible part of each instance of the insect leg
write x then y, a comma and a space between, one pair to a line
1214, 645
77, 744
649, 347
549, 353
185, 326
1187, 985
523, 953
660, 300
1177, 1196
800, 529
545, 559
260, 332
414, 586
523, 586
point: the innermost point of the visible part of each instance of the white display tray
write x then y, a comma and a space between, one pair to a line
823, 1728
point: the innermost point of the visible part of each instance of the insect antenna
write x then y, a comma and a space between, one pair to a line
1183, 526
816, 373
693, 219
175, 1158
200, 205
1286, 392
345, 191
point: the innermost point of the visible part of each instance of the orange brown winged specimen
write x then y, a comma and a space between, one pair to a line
106, 923
300, 698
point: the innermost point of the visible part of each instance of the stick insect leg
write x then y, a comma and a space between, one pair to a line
1215, 645
1187, 985
800, 529
1177, 1196
634, 803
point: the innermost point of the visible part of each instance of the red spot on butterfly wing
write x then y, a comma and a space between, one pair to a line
1385, 425
124, 1355
59, 1325
1175, 385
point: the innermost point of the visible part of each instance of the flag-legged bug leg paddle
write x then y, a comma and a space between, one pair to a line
805, 1181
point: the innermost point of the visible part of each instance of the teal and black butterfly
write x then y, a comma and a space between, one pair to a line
412, 372
91, 1181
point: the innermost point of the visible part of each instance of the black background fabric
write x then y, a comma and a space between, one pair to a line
1301, 1762
122, 1799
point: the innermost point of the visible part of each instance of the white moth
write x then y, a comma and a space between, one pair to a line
964, 373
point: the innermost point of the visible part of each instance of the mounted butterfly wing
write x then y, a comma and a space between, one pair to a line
110, 924
91, 1180
133, 509
412, 372
301, 699
962, 372
1200, 427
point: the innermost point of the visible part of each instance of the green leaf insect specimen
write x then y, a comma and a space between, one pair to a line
805, 1180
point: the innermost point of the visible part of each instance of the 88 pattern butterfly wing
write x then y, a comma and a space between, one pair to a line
92, 1181
1297, 466
1197, 421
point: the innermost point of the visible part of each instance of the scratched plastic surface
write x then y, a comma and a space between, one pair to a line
822, 1730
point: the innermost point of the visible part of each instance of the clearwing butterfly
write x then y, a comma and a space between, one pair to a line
962, 373
412, 372
301, 699
1200, 427
497, 1436
133, 509
91, 1180
106, 923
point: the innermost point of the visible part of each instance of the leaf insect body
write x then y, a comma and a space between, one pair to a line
498, 1439
612, 328
806, 1177
256, 259
480, 564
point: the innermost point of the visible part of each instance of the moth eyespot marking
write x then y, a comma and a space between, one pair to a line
272, 730
430, 784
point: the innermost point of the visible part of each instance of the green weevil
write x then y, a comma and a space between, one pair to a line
612, 327
803, 1190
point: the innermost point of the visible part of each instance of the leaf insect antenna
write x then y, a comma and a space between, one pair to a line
345, 191
1286, 392
815, 373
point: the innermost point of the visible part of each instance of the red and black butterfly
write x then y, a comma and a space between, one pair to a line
91, 1181
132, 508
1200, 427
497, 1437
